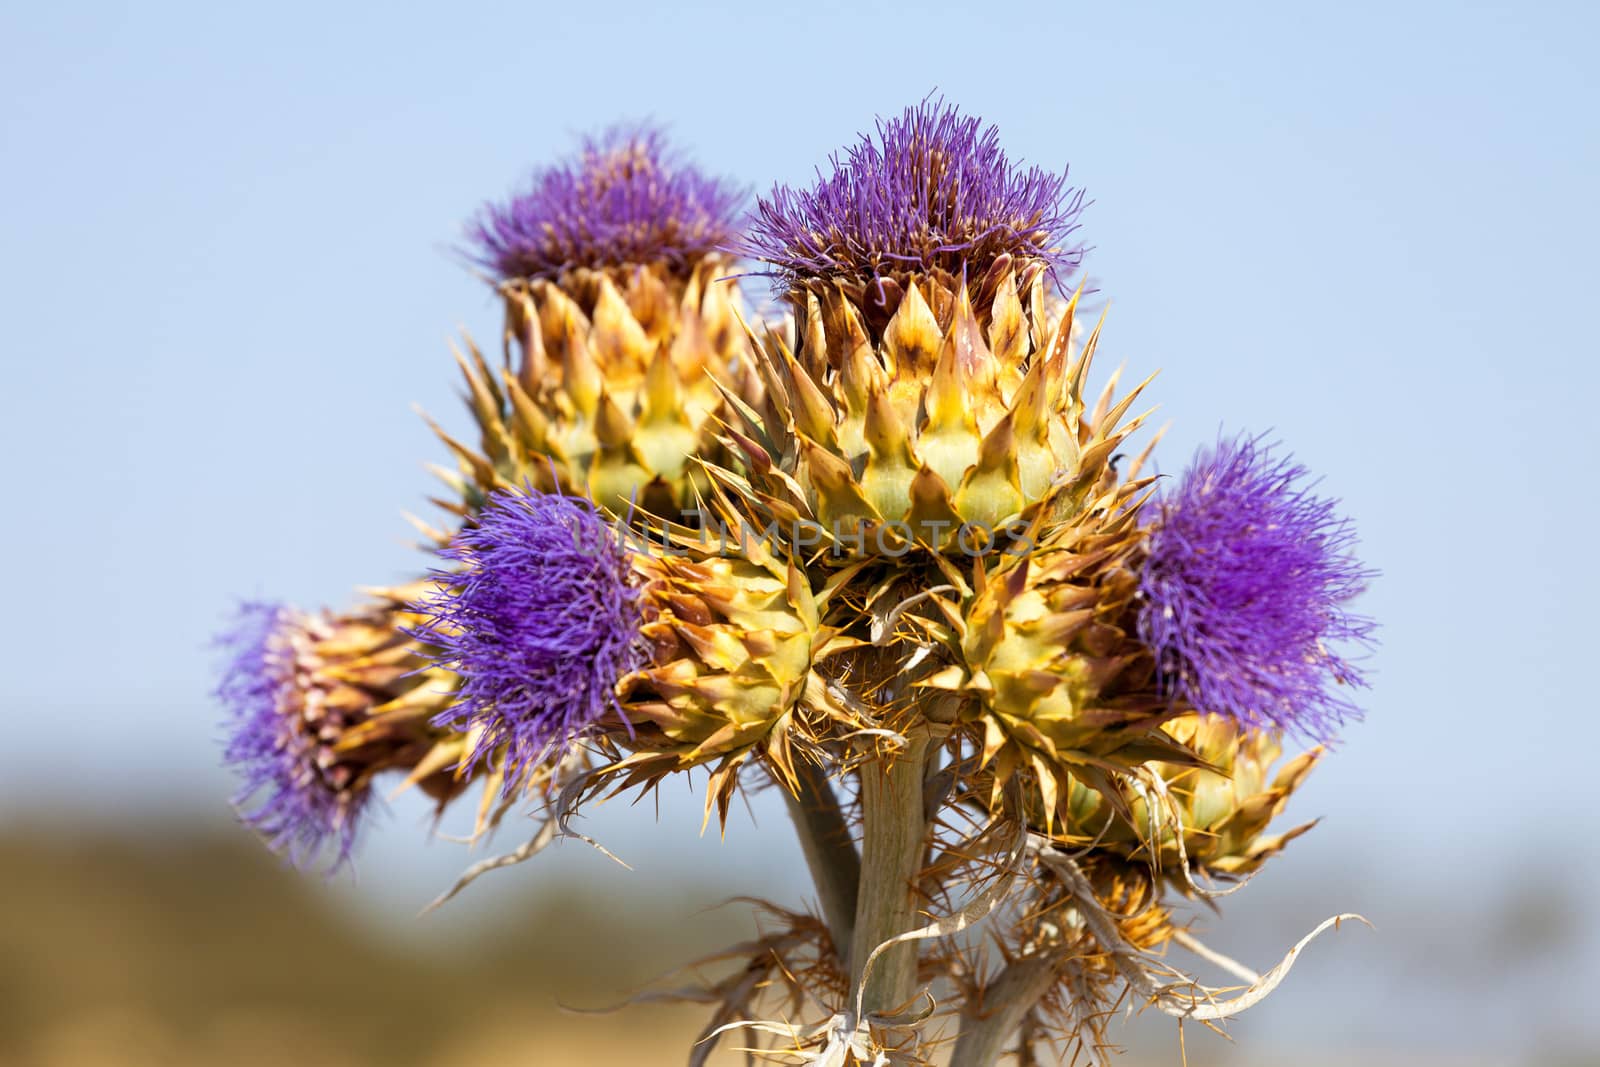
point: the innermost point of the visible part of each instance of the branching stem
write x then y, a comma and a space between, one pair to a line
829, 851
894, 832
1006, 1002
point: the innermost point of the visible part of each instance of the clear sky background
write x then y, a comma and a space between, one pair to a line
226, 274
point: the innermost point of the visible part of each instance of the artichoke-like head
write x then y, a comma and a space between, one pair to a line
570, 631
733, 638
620, 331
1055, 684
941, 437
1222, 803
319, 705
932, 392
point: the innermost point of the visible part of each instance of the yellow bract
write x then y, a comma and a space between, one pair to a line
616, 391
368, 695
733, 639
934, 433
1223, 806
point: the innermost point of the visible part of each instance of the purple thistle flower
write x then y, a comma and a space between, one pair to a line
934, 191
1245, 588
286, 797
627, 198
541, 622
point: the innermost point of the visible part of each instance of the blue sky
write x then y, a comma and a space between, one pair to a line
227, 275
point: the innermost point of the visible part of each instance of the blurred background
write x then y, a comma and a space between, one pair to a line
228, 270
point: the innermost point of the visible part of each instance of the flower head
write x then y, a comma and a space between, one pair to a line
297, 799
541, 621
626, 198
1245, 589
933, 191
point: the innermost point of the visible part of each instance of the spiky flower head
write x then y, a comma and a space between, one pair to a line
931, 192
626, 198
1210, 815
616, 298
320, 703
616, 400
541, 620
293, 794
733, 634
1246, 590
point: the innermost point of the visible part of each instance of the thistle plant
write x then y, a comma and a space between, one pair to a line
887, 554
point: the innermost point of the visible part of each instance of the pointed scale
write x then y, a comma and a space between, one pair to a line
948, 439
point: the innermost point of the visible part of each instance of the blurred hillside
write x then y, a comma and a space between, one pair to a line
197, 948
185, 945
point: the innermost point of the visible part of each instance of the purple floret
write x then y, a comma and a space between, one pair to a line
541, 621
932, 191
284, 797
1245, 593
626, 199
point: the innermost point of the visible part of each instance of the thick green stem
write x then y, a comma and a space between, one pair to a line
1006, 1002
830, 853
894, 831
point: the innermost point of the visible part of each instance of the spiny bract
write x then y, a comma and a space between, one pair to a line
1221, 803
616, 403
733, 637
939, 437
